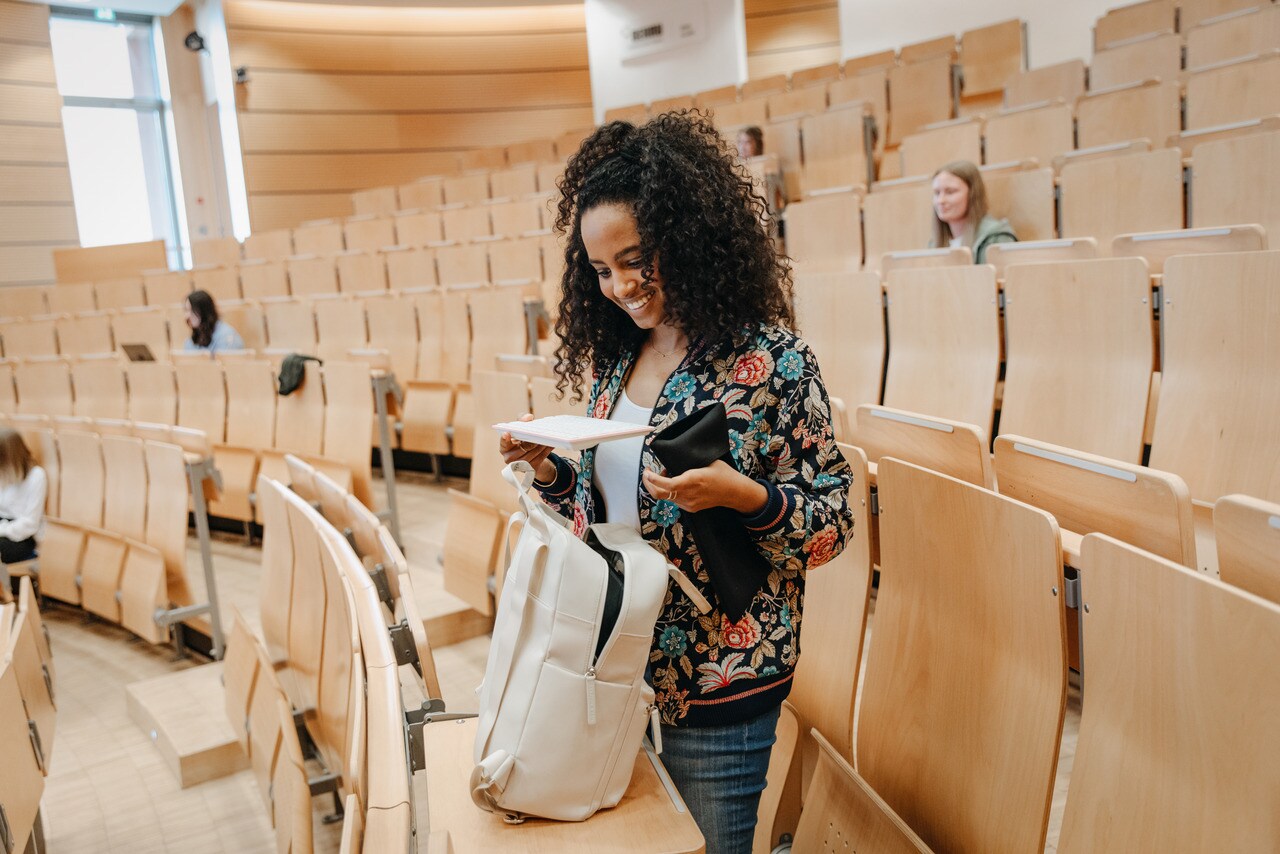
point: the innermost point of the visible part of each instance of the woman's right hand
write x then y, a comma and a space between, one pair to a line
533, 454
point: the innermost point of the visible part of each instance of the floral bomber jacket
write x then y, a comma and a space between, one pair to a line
705, 670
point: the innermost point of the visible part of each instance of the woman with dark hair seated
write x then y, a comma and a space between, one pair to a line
208, 333
674, 300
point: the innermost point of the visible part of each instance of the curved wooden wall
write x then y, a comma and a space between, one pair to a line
783, 35
340, 98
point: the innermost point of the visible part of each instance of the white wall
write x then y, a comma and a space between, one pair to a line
220, 101
1057, 30
718, 58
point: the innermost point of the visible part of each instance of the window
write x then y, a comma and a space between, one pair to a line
117, 123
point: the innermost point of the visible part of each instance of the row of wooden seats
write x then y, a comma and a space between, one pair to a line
1231, 182
116, 525
1080, 349
1126, 23
234, 404
1149, 107
916, 747
411, 257
105, 295
27, 716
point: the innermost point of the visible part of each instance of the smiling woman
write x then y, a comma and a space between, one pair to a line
674, 301
960, 215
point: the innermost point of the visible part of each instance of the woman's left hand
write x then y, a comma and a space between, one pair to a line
716, 485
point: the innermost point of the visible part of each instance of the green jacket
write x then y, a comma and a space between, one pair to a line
989, 231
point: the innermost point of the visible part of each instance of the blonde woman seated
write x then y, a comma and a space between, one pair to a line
960, 212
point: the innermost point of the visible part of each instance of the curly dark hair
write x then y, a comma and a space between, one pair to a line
697, 214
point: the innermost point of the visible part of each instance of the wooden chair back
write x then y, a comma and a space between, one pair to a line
119, 293
1138, 19
1168, 768
167, 501
1003, 255
896, 218
922, 93
993, 55
1247, 534
417, 228
933, 145
1234, 91
66, 297
921, 259
152, 394
22, 783
824, 233
145, 326
80, 458
348, 423
1118, 195
322, 237
1157, 246
1064, 80
835, 150
300, 418
361, 271
393, 326
842, 317
950, 447
1150, 109
1237, 180
251, 395
1248, 29
967, 668
125, 479
370, 233
202, 398
464, 265
99, 389
84, 334
1153, 55
44, 387
26, 338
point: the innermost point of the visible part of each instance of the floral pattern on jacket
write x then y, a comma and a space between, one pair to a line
706, 670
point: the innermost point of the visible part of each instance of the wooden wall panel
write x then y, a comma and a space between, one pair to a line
783, 36
343, 98
36, 210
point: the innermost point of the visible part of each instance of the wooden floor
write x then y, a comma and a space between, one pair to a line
108, 789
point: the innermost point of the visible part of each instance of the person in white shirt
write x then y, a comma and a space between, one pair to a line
23, 487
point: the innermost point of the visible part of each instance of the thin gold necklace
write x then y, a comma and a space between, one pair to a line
655, 349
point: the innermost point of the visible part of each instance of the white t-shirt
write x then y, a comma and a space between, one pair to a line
23, 505
617, 469
957, 242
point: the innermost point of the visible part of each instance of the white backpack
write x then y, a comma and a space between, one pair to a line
560, 727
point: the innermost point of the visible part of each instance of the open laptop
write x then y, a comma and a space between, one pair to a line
138, 352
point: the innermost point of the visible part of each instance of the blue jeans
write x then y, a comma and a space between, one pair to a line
720, 772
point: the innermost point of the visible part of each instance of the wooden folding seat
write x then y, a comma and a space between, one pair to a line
331, 498
167, 501
423, 194
870, 86
764, 86
486, 159
835, 149
739, 114
922, 93
515, 262
925, 151
844, 810
100, 389
166, 287
515, 218
44, 448
1247, 534
125, 481
1157, 246
276, 588
375, 200
1248, 31
300, 416
348, 423
634, 113
291, 325
60, 553
22, 784
100, 572
1080, 349
22, 651
221, 283
321, 237
240, 675
498, 397
265, 725
307, 610
24, 301
1150, 109
824, 233
432, 322
799, 102
251, 418
1138, 19
341, 646
1088, 493
262, 279
548, 174
990, 57
80, 460
1025, 197
85, 334
44, 387
945, 353
1154, 55
1237, 180
302, 479
119, 293
1218, 398
968, 667
1234, 91
340, 328
473, 529
8, 391
143, 591
369, 233
393, 327
411, 269
202, 399
498, 325
467, 189
821, 703
533, 151
312, 275
290, 792
1064, 80
466, 223
152, 396
1035, 131
1118, 195
1168, 770
706, 98
216, 252
361, 272
26, 338
463, 266
948, 447
419, 228
915, 259
514, 181
269, 245
1194, 13
1003, 255
896, 218
62, 298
